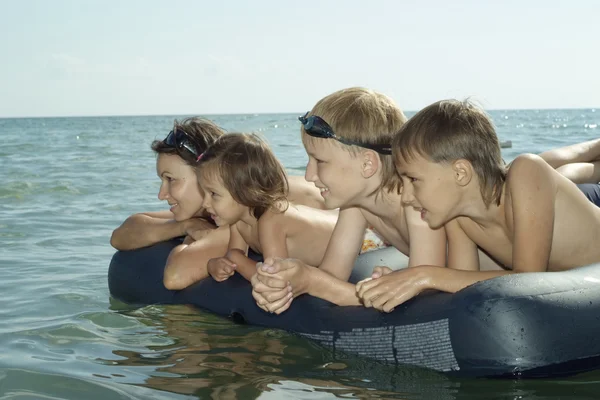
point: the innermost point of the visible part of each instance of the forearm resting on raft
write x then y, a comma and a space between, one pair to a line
245, 266
315, 282
187, 264
452, 280
141, 230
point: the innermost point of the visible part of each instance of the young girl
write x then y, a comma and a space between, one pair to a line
176, 157
245, 188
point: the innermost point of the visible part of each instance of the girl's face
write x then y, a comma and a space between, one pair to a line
179, 186
219, 203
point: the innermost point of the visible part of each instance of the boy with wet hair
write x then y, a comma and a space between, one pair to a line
348, 136
527, 216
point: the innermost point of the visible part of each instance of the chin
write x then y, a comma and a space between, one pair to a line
434, 224
332, 203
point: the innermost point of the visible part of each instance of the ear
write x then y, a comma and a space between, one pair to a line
370, 163
463, 172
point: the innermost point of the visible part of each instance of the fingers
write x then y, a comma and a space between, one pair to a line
273, 265
273, 296
260, 300
270, 265
378, 272
360, 284
281, 305
285, 306
365, 286
271, 282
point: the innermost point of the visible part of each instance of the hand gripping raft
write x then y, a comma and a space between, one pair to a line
526, 325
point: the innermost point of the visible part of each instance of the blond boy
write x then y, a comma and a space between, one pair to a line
348, 136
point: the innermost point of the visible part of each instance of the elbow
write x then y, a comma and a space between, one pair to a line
115, 240
173, 277
173, 281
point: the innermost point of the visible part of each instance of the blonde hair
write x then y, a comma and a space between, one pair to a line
365, 116
451, 130
249, 171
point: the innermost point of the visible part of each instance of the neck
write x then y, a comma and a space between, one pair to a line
384, 204
248, 218
476, 209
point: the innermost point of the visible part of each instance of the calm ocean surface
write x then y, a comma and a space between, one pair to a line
66, 183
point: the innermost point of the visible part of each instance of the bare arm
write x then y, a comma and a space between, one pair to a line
277, 277
427, 246
345, 244
532, 191
272, 235
329, 281
145, 229
462, 251
237, 250
187, 264
394, 288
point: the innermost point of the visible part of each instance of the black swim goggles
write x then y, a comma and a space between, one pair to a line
315, 126
180, 141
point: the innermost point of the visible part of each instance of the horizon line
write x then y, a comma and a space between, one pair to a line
260, 113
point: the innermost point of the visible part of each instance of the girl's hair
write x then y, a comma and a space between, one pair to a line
248, 169
199, 132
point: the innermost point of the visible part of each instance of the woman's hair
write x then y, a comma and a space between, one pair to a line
248, 169
199, 132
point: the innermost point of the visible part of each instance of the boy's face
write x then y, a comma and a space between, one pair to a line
178, 186
219, 203
333, 170
428, 187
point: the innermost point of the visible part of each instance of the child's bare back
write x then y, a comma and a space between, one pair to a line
306, 231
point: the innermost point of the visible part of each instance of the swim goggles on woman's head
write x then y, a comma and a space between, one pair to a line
315, 126
180, 140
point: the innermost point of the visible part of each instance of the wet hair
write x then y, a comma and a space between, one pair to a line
451, 130
201, 132
248, 169
365, 116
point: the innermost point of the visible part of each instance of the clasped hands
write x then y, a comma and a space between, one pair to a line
278, 281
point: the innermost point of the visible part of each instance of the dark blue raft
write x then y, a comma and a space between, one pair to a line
526, 325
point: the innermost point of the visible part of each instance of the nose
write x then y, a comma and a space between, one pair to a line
206, 201
311, 171
163, 192
408, 197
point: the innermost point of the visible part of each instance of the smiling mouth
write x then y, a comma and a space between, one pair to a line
323, 191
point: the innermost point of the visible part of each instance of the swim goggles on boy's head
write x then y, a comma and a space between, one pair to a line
315, 126
180, 140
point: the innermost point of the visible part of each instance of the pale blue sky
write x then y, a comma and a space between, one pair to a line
130, 57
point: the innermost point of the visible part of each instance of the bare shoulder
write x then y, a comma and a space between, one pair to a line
530, 173
272, 218
164, 214
528, 165
303, 192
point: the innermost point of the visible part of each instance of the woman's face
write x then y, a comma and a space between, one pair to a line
179, 186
